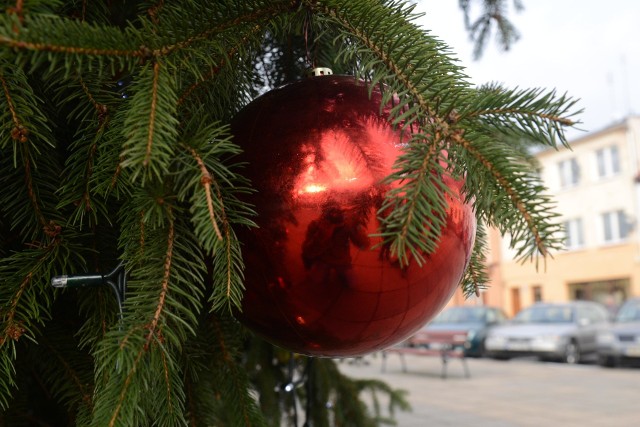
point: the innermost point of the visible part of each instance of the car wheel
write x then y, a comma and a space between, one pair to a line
571, 353
607, 361
499, 356
482, 352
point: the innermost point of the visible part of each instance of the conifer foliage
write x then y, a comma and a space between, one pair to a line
115, 148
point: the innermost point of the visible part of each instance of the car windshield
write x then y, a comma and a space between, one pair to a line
629, 312
461, 315
545, 314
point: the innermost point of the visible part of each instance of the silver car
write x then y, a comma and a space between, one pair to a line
564, 331
621, 341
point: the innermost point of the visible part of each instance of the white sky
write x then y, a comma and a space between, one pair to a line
587, 48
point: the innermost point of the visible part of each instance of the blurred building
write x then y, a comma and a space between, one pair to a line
596, 185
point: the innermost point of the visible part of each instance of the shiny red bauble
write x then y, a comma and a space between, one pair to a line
317, 282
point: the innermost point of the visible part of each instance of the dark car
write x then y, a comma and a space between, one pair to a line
565, 331
620, 342
474, 320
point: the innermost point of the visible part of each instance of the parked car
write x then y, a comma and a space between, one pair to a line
474, 320
620, 342
565, 331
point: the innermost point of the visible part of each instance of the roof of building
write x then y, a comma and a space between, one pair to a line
618, 125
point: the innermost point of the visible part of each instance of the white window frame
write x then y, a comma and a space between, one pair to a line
573, 233
615, 227
569, 171
608, 162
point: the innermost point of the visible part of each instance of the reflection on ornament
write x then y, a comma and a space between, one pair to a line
317, 281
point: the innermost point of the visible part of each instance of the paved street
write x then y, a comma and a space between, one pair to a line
519, 392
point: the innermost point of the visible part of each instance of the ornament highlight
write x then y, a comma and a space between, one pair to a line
317, 282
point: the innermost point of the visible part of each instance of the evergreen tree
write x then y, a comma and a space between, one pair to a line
115, 150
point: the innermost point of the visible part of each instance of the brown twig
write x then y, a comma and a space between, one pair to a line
19, 131
13, 329
206, 180
514, 111
152, 118
164, 288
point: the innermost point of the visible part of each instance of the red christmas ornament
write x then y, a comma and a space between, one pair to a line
318, 150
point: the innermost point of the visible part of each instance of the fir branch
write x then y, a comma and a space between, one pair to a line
22, 275
494, 11
150, 124
159, 168
510, 196
164, 286
228, 269
345, 394
168, 400
75, 50
535, 114
108, 174
161, 312
251, 16
77, 190
513, 194
28, 123
100, 311
403, 206
412, 215
425, 100
124, 389
476, 277
166, 374
228, 264
26, 298
12, 329
145, 351
18, 132
29, 195
77, 40
69, 380
17, 10
100, 108
90, 112
28, 180
94, 150
230, 365
234, 388
152, 118
45, 33
363, 33
196, 87
217, 377
206, 180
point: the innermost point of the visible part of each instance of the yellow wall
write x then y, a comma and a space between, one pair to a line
596, 260
604, 264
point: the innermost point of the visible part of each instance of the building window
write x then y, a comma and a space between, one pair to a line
610, 292
569, 172
536, 292
615, 226
608, 161
573, 234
